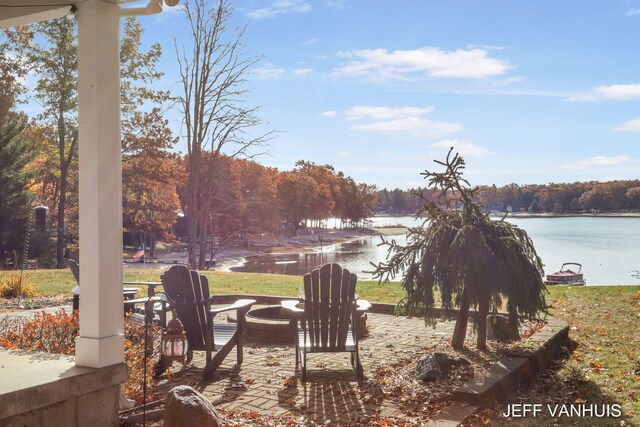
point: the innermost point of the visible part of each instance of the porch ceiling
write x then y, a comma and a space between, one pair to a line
22, 12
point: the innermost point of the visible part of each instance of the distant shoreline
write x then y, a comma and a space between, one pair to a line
572, 215
543, 215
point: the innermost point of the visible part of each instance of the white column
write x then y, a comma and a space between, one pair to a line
101, 340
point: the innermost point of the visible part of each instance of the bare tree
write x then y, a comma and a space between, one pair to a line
213, 71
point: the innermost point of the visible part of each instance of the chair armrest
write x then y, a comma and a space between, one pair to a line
238, 305
143, 300
363, 305
292, 305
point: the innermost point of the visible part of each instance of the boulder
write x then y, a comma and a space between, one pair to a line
499, 328
436, 366
186, 407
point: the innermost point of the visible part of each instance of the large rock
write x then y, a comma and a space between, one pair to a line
499, 328
436, 366
186, 407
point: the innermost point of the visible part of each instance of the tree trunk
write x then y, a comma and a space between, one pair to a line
483, 311
60, 244
460, 330
193, 205
152, 245
202, 256
192, 227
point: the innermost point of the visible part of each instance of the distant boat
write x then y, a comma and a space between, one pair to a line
566, 276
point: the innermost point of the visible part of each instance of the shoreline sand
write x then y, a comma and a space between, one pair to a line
309, 241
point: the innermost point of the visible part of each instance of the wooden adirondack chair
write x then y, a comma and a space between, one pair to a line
189, 292
328, 321
128, 293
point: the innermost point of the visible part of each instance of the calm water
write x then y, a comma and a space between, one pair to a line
607, 248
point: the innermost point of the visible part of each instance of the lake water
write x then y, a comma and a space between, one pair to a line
608, 249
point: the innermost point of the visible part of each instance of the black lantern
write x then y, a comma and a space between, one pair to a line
174, 345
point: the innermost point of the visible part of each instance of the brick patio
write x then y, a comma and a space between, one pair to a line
268, 383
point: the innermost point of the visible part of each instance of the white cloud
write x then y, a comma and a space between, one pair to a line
599, 162
414, 126
615, 92
629, 126
485, 47
280, 7
329, 113
302, 71
463, 147
633, 11
510, 80
427, 61
359, 112
310, 42
269, 71
399, 121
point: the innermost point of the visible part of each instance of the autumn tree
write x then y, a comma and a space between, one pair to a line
472, 260
213, 73
256, 195
296, 192
150, 177
633, 195
150, 173
52, 56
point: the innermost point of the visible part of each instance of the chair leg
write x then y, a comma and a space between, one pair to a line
212, 365
304, 366
359, 369
240, 353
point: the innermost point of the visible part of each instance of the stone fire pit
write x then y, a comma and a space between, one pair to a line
270, 324
266, 324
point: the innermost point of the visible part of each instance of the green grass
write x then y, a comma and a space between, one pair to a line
57, 282
605, 366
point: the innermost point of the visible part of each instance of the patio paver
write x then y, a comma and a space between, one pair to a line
267, 382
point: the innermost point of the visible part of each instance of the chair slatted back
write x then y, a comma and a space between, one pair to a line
75, 270
329, 303
190, 291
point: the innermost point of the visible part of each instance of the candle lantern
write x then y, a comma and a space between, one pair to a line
174, 344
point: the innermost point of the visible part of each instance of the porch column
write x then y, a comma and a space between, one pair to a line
101, 340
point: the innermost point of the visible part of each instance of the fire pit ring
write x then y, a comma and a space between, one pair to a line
271, 324
266, 324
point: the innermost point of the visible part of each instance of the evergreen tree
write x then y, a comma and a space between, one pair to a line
474, 261
15, 199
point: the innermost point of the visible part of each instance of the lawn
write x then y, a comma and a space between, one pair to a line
57, 282
604, 367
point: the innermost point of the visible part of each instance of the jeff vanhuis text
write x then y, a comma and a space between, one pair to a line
583, 410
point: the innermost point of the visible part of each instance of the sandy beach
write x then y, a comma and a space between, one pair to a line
306, 241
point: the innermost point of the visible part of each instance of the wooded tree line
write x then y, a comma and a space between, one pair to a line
554, 198
39, 164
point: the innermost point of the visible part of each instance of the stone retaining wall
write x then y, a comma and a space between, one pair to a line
38, 389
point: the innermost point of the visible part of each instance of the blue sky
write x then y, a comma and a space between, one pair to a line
527, 92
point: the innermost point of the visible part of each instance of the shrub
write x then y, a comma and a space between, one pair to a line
56, 333
11, 284
134, 352
51, 333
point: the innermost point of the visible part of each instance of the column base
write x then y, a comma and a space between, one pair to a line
99, 352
